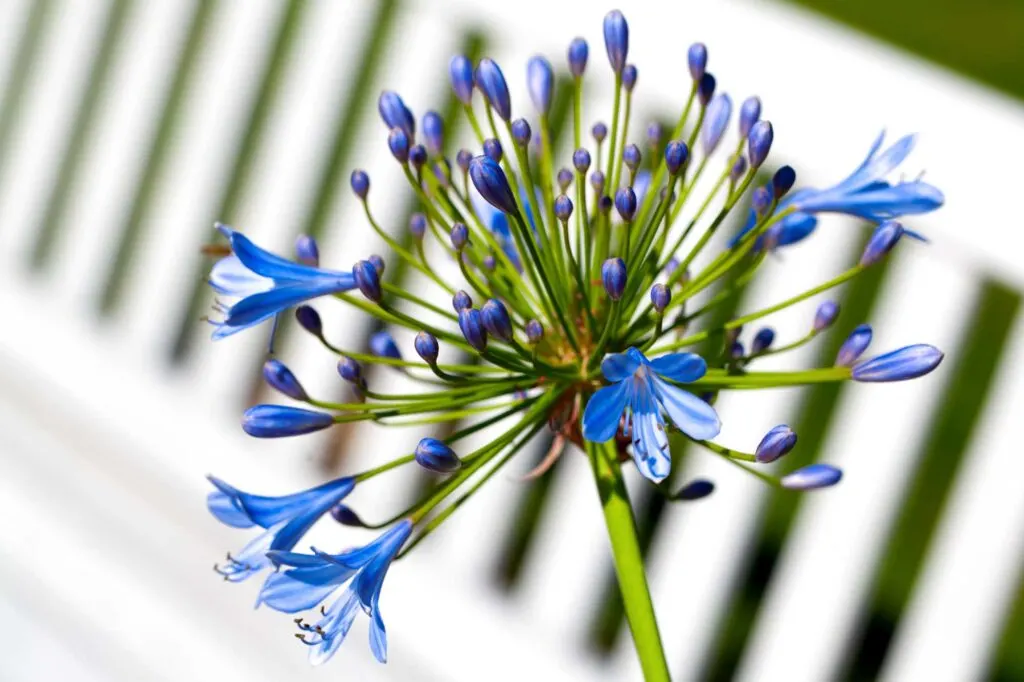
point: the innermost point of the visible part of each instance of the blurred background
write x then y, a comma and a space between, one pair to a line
128, 127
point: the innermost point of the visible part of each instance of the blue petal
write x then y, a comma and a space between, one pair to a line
641, 185
230, 277
268, 510
650, 442
681, 367
690, 414
335, 625
259, 307
368, 582
603, 411
619, 366
227, 510
378, 638
283, 592
796, 227
270, 265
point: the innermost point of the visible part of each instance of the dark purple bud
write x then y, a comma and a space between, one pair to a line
377, 262
433, 132
461, 300
492, 184
395, 114
461, 70
661, 296
694, 490
763, 340
581, 160
676, 156
654, 134
854, 346
629, 77
360, 182
599, 131
759, 143
472, 325
616, 39
493, 150
534, 331
383, 345
434, 455
417, 156
564, 179
739, 167
281, 379
426, 347
736, 350
706, 89
459, 235
631, 157
563, 207
496, 319
883, 239
350, 370
697, 59
613, 275
905, 363
540, 82
604, 204
625, 203
597, 181
521, 132
491, 82
812, 477
418, 225
760, 200
826, 315
783, 181
578, 52
750, 113
463, 159
367, 280
278, 421
309, 319
344, 515
306, 250
776, 443
398, 143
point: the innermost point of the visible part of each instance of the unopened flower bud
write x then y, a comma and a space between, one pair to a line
776, 443
436, 456
613, 275
426, 347
281, 379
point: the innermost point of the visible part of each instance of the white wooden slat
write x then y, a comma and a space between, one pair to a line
12, 28
968, 585
825, 571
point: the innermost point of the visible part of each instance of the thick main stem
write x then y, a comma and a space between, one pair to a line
629, 563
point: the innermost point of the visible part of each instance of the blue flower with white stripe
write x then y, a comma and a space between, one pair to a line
641, 389
355, 576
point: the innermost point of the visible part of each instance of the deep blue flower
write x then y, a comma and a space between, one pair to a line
783, 181
716, 120
255, 285
435, 455
696, 489
461, 300
706, 89
641, 389
356, 575
540, 82
490, 181
309, 319
398, 143
491, 82
282, 421
563, 207
905, 363
360, 182
284, 520
763, 340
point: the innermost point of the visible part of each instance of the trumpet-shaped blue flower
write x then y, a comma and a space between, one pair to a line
284, 520
255, 285
356, 575
641, 389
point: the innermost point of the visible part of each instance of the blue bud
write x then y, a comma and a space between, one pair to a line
759, 143
496, 319
563, 207
854, 346
426, 347
493, 150
461, 300
309, 319
676, 155
377, 262
383, 345
599, 131
825, 316
534, 331
613, 275
360, 182
783, 181
540, 82
883, 239
417, 156
597, 182
631, 157
776, 443
398, 143
629, 74
367, 280
463, 159
278, 421
418, 225
760, 200
492, 184
739, 167
671, 266
811, 477
489, 263
578, 52
459, 235
616, 39
434, 455
750, 113
282, 380
491, 82
344, 515
350, 370
564, 179
472, 325
461, 70
706, 89
443, 172
694, 490
908, 362
697, 59
581, 160
654, 133
661, 296
736, 350
763, 340
521, 132
625, 203
716, 120
306, 250
604, 204
433, 132
395, 114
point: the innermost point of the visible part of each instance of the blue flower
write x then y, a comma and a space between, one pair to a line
259, 284
312, 578
640, 385
284, 520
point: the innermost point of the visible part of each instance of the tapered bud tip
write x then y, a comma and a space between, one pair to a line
426, 347
383, 345
564, 179
344, 515
613, 275
763, 340
676, 156
739, 167
597, 181
395, 114
905, 363
577, 55
854, 346
368, 280
307, 251
309, 319
750, 113
493, 150
491, 82
471, 324
398, 143
281, 379
463, 159
490, 181
563, 207
631, 157
581, 160
350, 370
661, 295
760, 200
825, 316
882, 241
360, 182
521, 132
776, 443
694, 490
697, 60
417, 156
812, 477
496, 319
459, 236
616, 39
759, 143
461, 71
534, 331
433, 132
461, 300
706, 89
540, 81
629, 75
599, 131
783, 181
436, 456
625, 203
417, 225
279, 421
